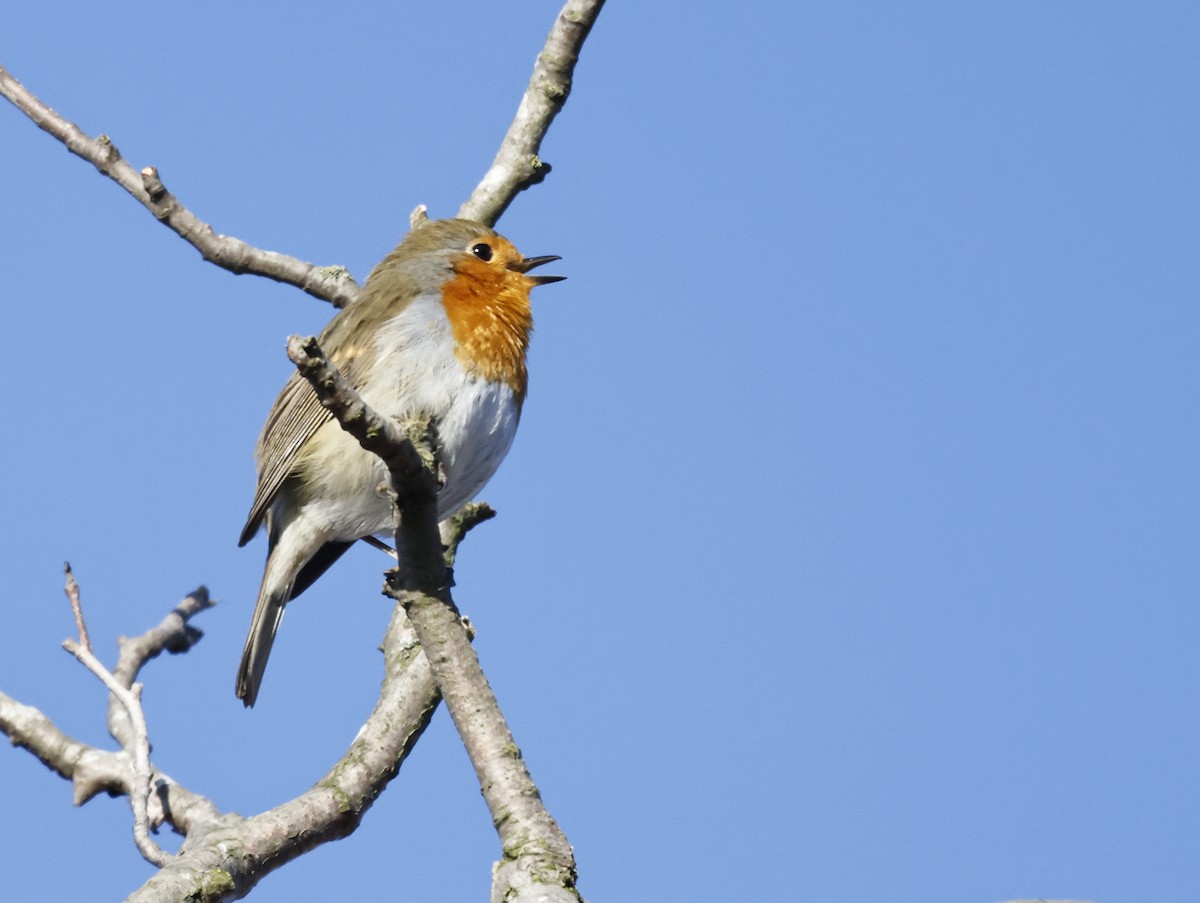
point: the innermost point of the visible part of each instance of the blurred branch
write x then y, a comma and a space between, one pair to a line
333, 284
517, 165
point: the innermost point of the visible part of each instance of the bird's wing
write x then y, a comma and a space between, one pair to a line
296, 415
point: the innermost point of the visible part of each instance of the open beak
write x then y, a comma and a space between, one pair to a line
530, 263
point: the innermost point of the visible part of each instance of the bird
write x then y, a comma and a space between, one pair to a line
440, 330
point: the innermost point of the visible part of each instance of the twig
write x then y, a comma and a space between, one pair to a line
72, 590
174, 634
93, 771
455, 528
138, 747
517, 165
332, 284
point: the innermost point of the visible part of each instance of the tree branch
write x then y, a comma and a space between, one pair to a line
333, 284
93, 770
538, 861
379, 435
138, 745
517, 165
26, 727
138, 750
226, 857
174, 634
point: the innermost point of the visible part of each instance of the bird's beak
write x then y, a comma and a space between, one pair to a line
530, 263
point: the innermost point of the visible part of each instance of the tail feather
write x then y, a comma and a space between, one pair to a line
297, 554
267, 615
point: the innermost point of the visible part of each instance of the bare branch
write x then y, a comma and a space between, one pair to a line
171, 802
138, 747
174, 634
226, 857
380, 435
332, 284
455, 528
538, 861
93, 771
72, 590
517, 165
28, 728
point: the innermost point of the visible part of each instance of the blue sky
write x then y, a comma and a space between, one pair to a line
847, 550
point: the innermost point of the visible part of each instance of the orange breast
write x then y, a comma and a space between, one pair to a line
489, 313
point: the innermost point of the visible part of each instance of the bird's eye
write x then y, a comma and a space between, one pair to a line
483, 251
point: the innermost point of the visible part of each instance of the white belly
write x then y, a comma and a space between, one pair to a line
476, 422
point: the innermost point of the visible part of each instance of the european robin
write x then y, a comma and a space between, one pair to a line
440, 330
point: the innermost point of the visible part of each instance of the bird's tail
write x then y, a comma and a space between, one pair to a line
272, 598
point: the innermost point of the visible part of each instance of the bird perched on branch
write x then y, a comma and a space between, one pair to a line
440, 331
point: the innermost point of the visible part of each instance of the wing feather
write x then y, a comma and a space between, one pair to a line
295, 417
297, 414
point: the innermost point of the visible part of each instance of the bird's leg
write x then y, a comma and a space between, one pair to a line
380, 545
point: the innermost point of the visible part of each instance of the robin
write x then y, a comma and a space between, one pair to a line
440, 330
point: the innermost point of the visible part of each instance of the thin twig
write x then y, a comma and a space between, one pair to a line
139, 746
72, 589
517, 165
174, 634
93, 771
455, 528
333, 284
